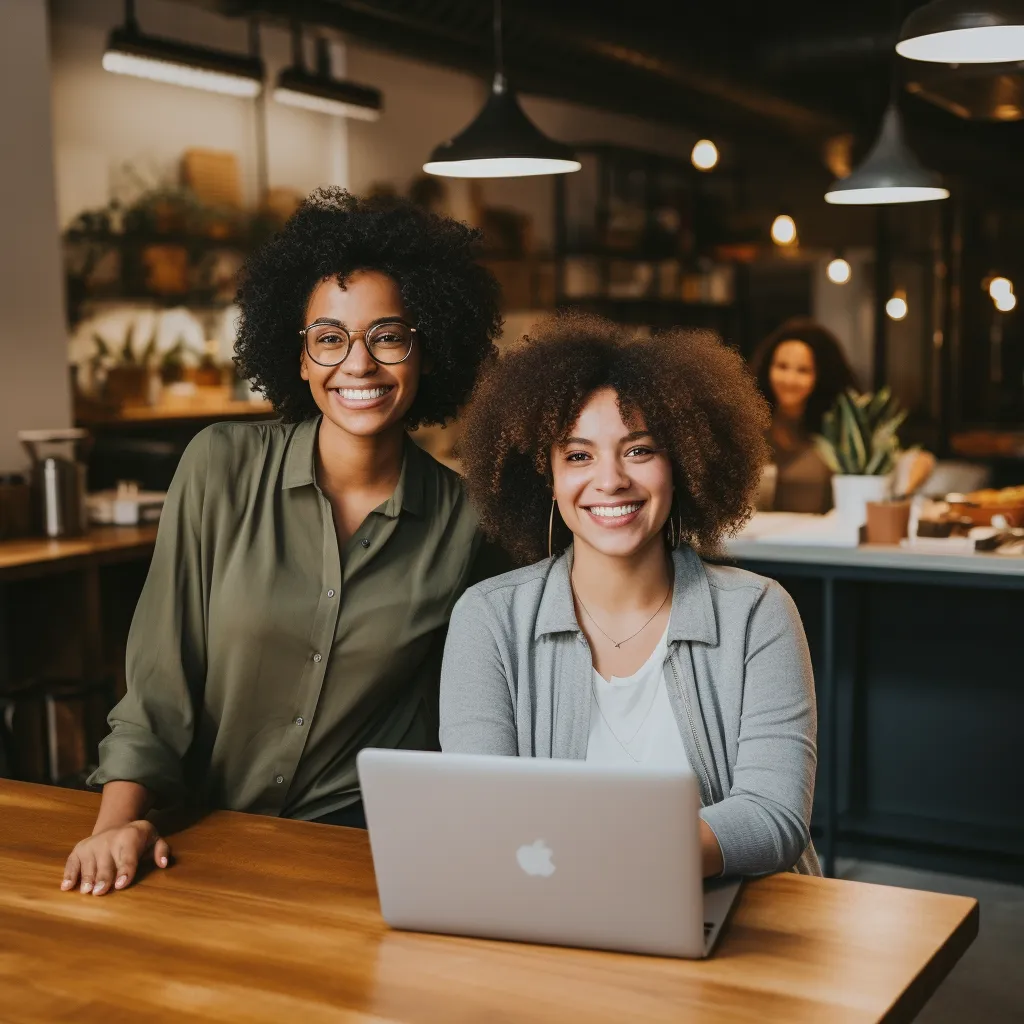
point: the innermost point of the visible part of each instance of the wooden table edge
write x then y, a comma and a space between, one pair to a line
915, 996
53, 565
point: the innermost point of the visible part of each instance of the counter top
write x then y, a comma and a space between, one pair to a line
877, 556
37, 555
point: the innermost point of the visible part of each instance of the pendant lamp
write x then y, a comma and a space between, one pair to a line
319, 90
502, 142
131, 52
964, 32
890, 173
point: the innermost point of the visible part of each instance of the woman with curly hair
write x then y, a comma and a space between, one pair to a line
624, 462
305, 570
801, 370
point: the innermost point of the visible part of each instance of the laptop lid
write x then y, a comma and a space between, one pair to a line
536, 850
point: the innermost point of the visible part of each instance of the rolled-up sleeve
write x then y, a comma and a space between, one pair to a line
763, 825
153, 725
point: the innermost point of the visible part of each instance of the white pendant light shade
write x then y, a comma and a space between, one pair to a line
964, 32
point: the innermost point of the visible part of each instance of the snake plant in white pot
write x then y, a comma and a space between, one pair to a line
860, 444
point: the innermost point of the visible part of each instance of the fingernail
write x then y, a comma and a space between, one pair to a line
66, 884
163, 862
87, 887
123, 880
99, 887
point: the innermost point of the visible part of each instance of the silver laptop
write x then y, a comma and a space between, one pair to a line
541, 850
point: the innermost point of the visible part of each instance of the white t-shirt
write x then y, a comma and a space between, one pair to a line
631, 720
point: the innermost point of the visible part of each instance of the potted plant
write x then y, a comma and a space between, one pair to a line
859, 443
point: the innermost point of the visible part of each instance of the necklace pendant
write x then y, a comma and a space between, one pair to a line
617, 646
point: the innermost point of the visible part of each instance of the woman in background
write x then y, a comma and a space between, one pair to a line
801, 370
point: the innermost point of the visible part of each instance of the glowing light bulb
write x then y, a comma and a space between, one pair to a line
783, 230
896, 307
704, 155
1000, 288
1004, 303
838, 271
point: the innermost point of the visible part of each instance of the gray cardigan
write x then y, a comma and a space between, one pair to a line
517, 674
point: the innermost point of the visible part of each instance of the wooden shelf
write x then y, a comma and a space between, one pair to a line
199, 407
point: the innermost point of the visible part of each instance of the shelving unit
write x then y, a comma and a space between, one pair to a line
635, 238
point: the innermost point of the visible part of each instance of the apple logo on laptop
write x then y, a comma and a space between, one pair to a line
535, 859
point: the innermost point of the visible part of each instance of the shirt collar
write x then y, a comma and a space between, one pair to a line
692, 616
300, 469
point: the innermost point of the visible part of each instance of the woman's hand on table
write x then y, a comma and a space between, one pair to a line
110, 859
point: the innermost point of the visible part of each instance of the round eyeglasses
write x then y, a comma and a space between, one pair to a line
388, 342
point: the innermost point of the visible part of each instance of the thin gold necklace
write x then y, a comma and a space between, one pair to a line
617, 645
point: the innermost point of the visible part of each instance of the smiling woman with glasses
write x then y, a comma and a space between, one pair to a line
305, 570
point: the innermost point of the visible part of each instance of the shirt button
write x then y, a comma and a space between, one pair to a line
318, 657
330, 593
365, 542
279, 779
299, 720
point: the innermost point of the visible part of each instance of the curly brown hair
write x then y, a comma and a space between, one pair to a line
692, 393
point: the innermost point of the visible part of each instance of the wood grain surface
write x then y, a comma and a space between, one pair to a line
264, 920
34, 556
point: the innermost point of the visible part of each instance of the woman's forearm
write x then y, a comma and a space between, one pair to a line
710, 852
122, 802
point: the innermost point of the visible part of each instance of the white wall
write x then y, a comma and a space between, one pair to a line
33, 347
102, 121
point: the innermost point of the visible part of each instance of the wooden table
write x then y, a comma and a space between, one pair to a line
38, 556
261, 919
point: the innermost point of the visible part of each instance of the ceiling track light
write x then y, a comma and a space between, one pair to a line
131, 52
501, 142
964, 32
319, 90
890, 173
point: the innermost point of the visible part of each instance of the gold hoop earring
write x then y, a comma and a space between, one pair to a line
551, 527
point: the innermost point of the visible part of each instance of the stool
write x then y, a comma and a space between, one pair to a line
44, 696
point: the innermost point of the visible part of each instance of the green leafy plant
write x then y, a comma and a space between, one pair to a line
859, 434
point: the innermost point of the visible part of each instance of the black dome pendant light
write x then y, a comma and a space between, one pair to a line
964, 32
890, 173
501, 142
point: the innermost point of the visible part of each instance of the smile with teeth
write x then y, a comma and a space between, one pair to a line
614, 511
363, 394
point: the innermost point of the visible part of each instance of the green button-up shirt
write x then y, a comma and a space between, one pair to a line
261, 657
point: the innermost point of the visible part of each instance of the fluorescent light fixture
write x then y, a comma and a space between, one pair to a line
964, 32
298, 88
890, 173
319, 90
131, 52
704, 155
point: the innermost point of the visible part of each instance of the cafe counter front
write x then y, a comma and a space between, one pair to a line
919, 666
